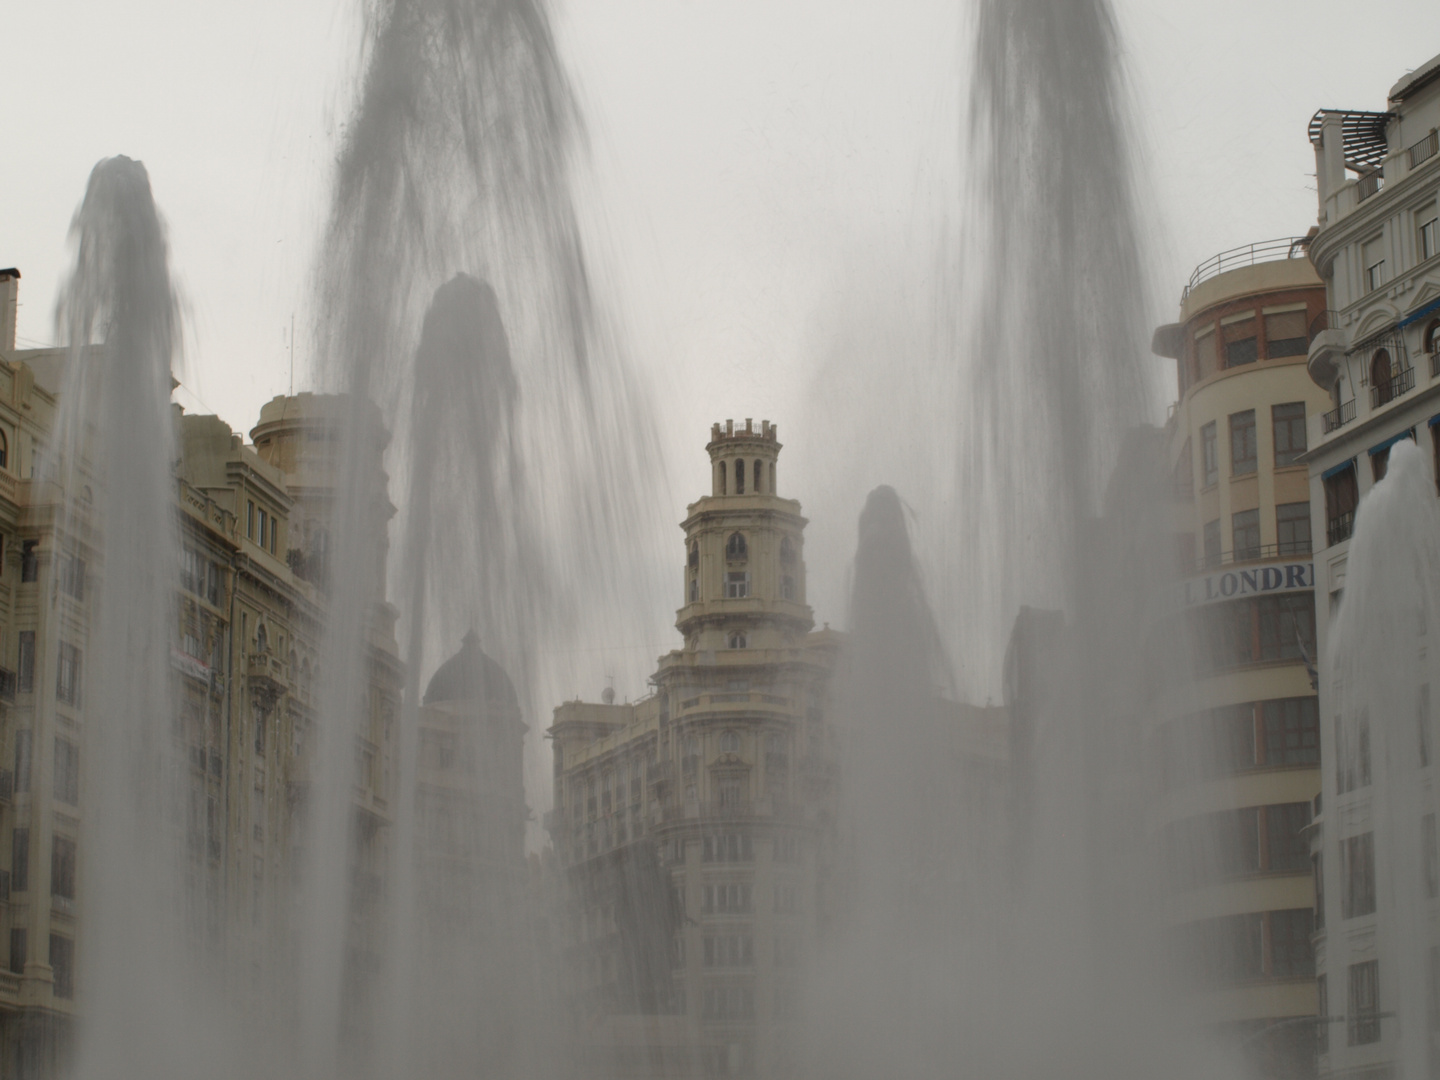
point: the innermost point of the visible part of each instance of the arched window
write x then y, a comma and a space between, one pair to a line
694, 590
4, 451
261, 641
738, 641
721, 467
736, 550
787, 552
1432, 342
758, 466
1382, 376
740, 477
730, 742
694, 555
772, 478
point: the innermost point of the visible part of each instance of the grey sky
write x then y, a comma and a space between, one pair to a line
744, 156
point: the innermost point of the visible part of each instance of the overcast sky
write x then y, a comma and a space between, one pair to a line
745, 157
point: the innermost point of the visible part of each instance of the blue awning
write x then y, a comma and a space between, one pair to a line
1337, 469
1435, 420
1379, 448
1434, 305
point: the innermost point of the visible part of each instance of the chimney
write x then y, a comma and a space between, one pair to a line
9, 307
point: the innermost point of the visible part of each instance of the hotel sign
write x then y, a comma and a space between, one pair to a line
1252, 581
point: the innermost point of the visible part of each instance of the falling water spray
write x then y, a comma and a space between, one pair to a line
142, 925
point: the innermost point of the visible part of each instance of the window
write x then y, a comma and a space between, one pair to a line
4, 450
29, 561
264, 529
20, 860
1290, 952
67, 771
1317, 874
1206, 355
1292, 528
729, 950
1286, 334
737, 584
1292, 731
736, 550
694, 590
694, 556
1210, 451
1241, 345
1364, 1019
740, 477
737, 641
727, 899
1289, 421
259, 726
1383, 377
1373, 259
756, 484
22, 761
26, 661
1357, 875
1212, 543
1352, 754
1254, 630
690, 755
17, 950
1243, 453
62, 868
62, 966
249, 520
1342, 494
67, 675
72, 577
1245, 535
787, 587
731, 847
1288, 845
1428, 244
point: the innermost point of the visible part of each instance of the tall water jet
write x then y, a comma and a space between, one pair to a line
1383, 672
460, 158
464, 991
114, 438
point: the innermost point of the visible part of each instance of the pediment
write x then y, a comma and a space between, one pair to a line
1378, 318
1426, 292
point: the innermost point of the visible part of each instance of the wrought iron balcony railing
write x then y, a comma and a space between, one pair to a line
1256, 553
1402, 382
1338, 418
1425, 149
1340, 527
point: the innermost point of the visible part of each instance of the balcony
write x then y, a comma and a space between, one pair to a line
1339, 528
1287, 247
267, 675
1368, 185
1425, 149
1258, 553
1338, 418
1382, 393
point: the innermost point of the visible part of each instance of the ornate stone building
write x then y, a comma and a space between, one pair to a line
696, 826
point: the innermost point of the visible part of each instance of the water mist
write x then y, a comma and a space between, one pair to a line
142, 925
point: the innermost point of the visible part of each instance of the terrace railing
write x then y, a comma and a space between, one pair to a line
1338, 418
1402, 382
1287, 247
1425, 149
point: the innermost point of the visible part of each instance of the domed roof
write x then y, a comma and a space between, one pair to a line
470, 675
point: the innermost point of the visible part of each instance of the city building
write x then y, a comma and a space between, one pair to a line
1378, 251
695, 826
250, 610
1238, 741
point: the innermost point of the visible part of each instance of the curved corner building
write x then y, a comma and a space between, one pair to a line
1239, 743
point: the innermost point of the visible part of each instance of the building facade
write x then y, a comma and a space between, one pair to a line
1378, 252
1239, 743
696, 826
249, 611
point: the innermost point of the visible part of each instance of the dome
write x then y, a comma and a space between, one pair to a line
470, 675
